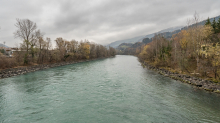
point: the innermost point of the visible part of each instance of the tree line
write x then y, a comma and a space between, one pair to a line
193, 51
35, 49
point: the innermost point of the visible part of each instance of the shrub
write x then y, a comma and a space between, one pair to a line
7, 62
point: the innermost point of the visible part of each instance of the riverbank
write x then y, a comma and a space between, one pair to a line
27, 69
197, 82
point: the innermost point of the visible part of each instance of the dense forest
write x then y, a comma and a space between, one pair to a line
35, 49
194, 50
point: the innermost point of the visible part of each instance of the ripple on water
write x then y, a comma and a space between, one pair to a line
109, 90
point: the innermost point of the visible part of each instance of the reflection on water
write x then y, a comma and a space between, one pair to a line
109, 90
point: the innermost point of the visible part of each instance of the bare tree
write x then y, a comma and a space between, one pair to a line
26, 31
47, 48
38, 40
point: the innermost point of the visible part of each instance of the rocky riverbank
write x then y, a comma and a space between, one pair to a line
197, 82
22, 70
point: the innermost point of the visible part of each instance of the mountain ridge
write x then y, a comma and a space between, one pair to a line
2, 45
166, 32
140, 38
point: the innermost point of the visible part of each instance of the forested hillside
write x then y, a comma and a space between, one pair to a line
140, 38
132, 49
167, 33
195, 50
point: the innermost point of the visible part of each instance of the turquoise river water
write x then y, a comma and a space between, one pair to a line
112, 90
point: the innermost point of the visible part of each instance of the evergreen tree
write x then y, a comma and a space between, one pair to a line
214, 25
208, 22
218, 26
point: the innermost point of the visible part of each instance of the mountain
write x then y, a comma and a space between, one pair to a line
128, 49
147, 40
167, 33
140, 38
120, 49
203, 22
131, 49
2, 45
131, 40
162, 31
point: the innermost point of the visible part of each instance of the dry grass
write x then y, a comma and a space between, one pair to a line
6, 62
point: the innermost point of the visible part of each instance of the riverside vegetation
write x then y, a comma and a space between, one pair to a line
37, 50
190, 54
193, 51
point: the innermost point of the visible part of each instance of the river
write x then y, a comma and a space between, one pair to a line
112, 90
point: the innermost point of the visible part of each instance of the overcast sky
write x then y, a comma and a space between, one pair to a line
100, 21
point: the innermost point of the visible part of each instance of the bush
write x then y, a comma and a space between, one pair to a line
7, 62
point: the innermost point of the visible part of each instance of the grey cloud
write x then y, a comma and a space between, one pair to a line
102, 21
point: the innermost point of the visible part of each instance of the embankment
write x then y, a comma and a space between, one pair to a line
27, 69
197, 82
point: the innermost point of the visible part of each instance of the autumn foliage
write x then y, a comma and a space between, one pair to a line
35, 49
193, 51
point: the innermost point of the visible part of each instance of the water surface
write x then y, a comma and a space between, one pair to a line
112, 90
